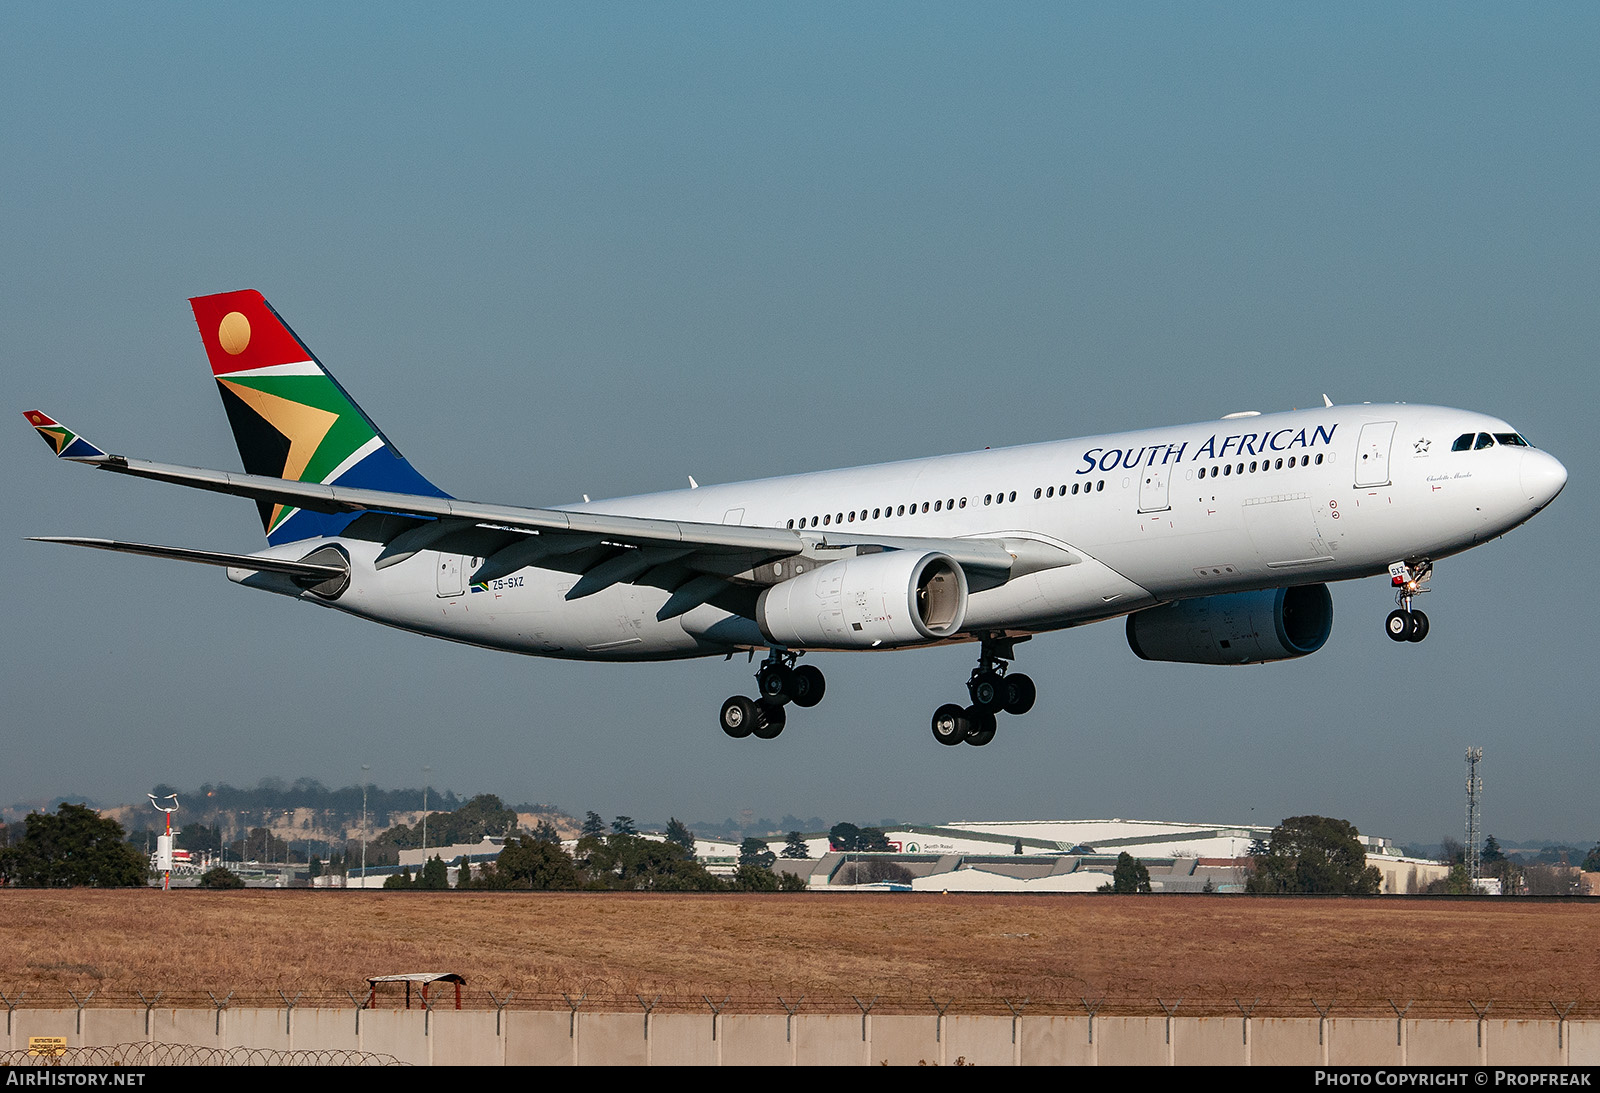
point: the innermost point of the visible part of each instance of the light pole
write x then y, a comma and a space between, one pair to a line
425, 772
364, 769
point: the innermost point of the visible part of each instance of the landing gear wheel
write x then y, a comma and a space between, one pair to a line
1019, 693
1398, 625
806, 685
774, 682
1419, 627
770, 720
739, 717
988, 690
980, 727
950, 724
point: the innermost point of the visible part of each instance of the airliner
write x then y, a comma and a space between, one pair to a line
1215, 541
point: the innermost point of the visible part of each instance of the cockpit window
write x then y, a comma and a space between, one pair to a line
1463, 443
1511, 440
1484, 441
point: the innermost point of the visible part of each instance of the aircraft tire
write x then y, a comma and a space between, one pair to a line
774, 683
988, 692
1419, 627
1020, 694
950, 724
739, 717
806, 686
770, 720
1398, 625
980, 727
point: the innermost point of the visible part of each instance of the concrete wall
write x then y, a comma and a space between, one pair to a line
525, 1037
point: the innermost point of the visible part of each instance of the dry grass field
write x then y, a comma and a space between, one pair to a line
972, 951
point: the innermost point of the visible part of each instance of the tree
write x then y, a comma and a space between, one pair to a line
678, 832
623, 825
753, 878
535, 864
845, 837
1130, 876
1591, 863
546, 833
200, 838
795, 849
593, 825
484, 815
1492, 852
401, 879
755, 852
74, 847
852, 839
1454, 883
633, 863
1315, 855
220, 878
435, 875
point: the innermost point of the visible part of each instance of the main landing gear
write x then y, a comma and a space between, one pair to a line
1406, 624
992, 690
779, 682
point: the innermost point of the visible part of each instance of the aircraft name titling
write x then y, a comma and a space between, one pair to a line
1234, 444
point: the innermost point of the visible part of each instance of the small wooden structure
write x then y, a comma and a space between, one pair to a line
423, 979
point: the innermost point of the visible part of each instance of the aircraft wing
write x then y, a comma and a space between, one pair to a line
696, 560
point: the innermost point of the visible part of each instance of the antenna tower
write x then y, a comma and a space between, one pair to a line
1474, 799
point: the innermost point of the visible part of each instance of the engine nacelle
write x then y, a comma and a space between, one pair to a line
1235, 628
894, 597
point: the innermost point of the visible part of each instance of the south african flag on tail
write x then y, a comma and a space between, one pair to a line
291, 419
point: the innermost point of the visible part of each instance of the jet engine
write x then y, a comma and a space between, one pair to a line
891, 598
1236, 627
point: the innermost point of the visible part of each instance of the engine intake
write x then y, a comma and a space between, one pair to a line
887, 599
1236, 627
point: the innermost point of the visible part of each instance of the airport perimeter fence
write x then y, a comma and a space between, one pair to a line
791, 1002
148, 1053
644, 1029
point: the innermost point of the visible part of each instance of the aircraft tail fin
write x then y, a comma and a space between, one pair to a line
290, 417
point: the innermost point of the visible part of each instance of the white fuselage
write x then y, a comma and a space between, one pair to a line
1153, 516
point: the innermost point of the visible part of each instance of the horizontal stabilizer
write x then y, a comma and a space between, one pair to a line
285, 566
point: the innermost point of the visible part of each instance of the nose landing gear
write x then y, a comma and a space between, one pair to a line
1408, 580
778, 682
992, 691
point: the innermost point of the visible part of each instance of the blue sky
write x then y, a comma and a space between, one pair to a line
557, 250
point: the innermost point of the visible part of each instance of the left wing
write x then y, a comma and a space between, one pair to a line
697, 562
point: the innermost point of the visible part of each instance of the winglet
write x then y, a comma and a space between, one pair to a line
62, 440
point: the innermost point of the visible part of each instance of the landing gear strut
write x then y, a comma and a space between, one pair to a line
992, 691
779, 682
1409, 580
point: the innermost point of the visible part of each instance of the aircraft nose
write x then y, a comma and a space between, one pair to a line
1542, 477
